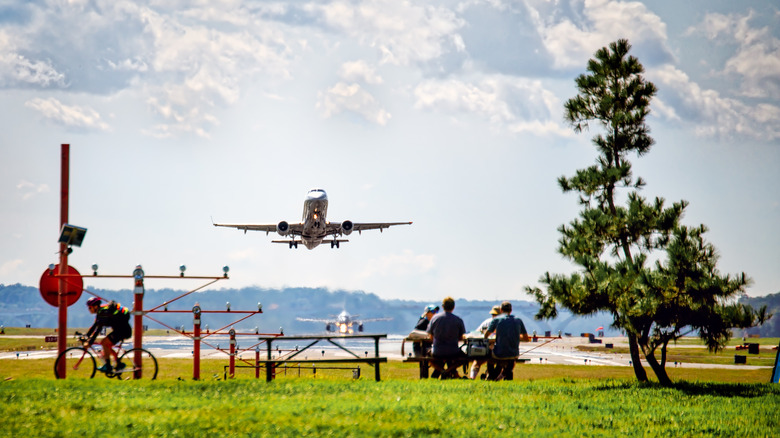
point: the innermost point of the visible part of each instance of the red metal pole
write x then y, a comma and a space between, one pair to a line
138, 319
62, 326
196, 343
232, 353
257, 363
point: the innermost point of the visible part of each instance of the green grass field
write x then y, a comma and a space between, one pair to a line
544, 400
395, 407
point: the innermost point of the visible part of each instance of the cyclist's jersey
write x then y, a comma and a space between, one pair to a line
110, 315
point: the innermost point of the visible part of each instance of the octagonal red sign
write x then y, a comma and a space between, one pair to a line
50, 286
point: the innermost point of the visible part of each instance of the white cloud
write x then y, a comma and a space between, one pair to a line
352, 98
135, 64
518, 105
11, 267
189, 59
205, 67
710, 113
28, 190
70, 116
15, 69
401, 31
359, 71
572, 38
18, 70
757, 59
406, 263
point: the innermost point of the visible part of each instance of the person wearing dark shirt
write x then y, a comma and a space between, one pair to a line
117, 318
447, 330
423, 348
428, 312
509, 331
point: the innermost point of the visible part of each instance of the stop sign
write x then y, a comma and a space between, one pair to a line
50, 286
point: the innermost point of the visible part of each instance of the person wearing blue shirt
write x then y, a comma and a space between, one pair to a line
509, 332
447, 330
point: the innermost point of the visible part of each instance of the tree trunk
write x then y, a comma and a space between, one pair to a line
658, 369
636, 362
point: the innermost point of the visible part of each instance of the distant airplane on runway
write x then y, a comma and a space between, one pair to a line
343, 322
314, 228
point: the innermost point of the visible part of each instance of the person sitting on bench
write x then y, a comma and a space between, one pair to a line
509, 331
447, 330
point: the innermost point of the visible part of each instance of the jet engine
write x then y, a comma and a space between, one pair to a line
346, 227
283, 228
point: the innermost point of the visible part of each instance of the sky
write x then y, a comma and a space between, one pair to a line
445, 113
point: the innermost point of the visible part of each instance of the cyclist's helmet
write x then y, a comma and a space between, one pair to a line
94, 301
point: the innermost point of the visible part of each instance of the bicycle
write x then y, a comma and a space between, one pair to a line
80, 362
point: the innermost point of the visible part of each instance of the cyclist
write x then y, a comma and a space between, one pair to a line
110, 315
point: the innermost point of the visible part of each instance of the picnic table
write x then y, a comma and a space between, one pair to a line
419, 338
271, 363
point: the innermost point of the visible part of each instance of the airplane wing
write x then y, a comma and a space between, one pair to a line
328, 321
295, 228
376, 319
363, 226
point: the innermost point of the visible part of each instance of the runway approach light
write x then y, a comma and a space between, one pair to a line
228, 306
94, 269
138, 272
72, 235
225, 269
182, 268
259, 306
51, 268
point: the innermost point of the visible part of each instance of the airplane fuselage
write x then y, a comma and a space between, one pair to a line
315, 211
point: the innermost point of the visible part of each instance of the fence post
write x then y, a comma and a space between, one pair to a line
232, 353
196, 342
138, 319
257, 362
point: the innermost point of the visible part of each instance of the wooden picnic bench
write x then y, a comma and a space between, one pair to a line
424, 359
271, 363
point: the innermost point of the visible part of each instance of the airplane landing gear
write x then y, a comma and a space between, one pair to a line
293, 244
334, 243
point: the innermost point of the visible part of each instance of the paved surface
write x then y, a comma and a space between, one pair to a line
559, 351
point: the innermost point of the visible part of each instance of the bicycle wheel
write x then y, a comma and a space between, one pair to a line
146, 368
79, 364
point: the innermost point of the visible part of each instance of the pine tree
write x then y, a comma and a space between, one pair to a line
611, 242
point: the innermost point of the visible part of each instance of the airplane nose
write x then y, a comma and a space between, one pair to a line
317, 195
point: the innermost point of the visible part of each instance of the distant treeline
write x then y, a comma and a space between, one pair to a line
22, 305
772, 302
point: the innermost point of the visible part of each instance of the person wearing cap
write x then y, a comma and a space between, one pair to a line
477, 364
447, 330
428, 312
509, 332
423, 348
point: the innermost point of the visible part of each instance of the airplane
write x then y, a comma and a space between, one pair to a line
314, 227
343, 322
